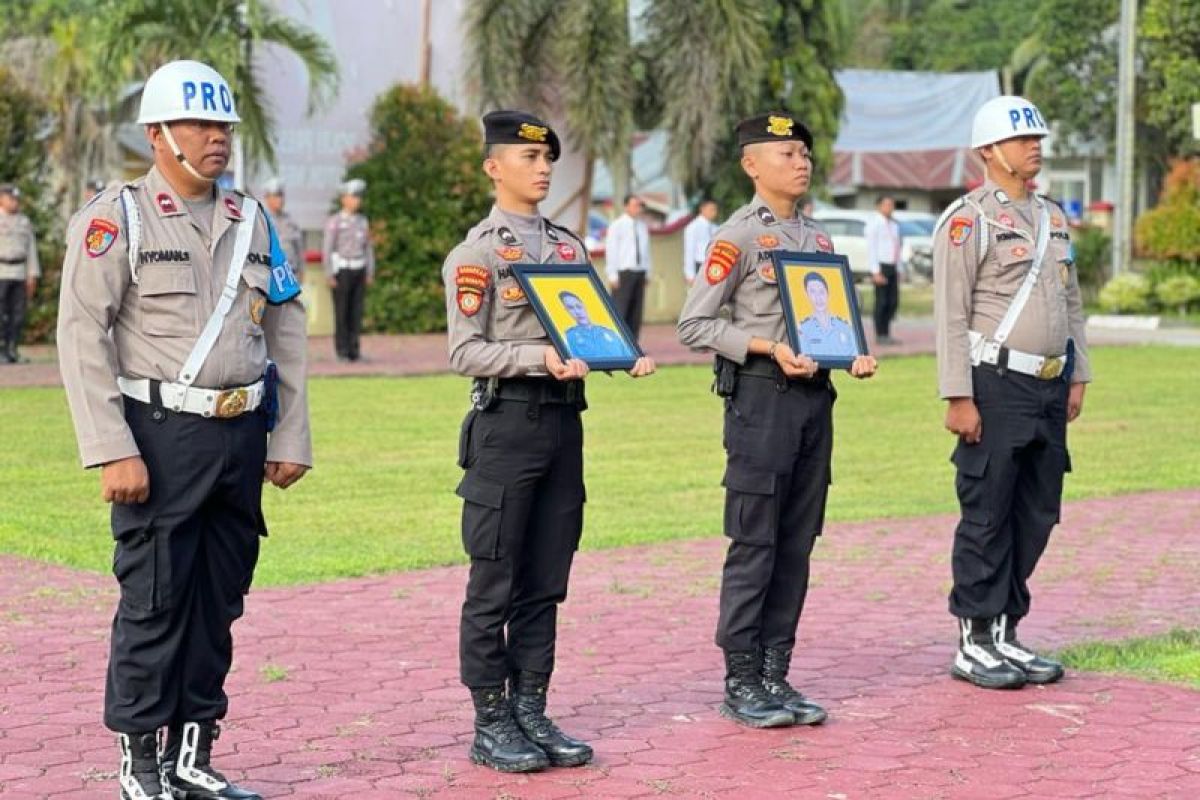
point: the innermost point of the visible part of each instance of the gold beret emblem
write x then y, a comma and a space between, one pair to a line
534, 133
780, 126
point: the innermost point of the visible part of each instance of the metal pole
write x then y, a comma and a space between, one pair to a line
426, 46
1123, 213
239, 146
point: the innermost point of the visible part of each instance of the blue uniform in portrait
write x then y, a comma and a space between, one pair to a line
818, 340
595, 341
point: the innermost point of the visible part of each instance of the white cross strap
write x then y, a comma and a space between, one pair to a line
212, 329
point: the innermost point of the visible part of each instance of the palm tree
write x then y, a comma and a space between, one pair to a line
553, 57
141, 35
690, 67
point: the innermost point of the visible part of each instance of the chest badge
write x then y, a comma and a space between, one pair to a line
767, 240
1006, 221
566, 252
823, 243
510, 253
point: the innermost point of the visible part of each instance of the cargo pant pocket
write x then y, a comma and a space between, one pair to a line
483, 509
141, 567
971, 461
751, 508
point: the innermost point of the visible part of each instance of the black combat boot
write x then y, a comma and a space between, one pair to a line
746, 700
528, 690
499, 741
139, 777
978, 660
187, 768
1036, 668
774, 674
8, 352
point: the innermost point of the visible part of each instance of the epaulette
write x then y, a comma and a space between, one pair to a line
567, 231
955, 206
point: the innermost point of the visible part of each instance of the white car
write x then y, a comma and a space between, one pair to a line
847, 228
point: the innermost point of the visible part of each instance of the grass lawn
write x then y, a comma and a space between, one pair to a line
381, 498
1172, 657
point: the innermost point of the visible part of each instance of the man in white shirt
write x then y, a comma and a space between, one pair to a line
696, 237
627, 262
883, 258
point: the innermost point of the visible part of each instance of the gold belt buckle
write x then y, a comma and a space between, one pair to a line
1051, 368
231, 402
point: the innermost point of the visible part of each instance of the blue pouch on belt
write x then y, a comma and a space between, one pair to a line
270, 402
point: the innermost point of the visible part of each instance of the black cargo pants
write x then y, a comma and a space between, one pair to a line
522, 519
778, 442
1010, 491
183, 559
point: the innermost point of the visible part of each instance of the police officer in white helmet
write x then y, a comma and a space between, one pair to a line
1012, 366
182, 349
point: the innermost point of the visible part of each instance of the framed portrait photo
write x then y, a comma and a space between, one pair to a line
578, 314
820, 307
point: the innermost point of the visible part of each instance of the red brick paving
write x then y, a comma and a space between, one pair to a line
366, 702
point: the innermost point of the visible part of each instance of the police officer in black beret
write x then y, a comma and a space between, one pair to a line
778, 424
522, 449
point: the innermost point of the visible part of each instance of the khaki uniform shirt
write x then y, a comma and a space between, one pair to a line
493, 329
973, 294
348, 237
109, 326
291, 238
739, 275
18, 248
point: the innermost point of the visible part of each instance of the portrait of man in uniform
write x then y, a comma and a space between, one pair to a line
578, 314
819, 298
586, 339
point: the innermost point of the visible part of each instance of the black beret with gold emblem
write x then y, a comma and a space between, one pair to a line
775, 126
517, 127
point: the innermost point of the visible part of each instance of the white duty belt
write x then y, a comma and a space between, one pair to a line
993, 351
181, 395
341, 262
220, 403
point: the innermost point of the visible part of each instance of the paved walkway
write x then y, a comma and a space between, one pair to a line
349, 689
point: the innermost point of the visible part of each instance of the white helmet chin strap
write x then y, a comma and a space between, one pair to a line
166, 130
999, 154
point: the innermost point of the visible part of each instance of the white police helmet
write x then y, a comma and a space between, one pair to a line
1006, 117
354, 186
273, 186
186, 90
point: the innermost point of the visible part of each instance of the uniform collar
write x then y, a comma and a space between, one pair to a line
166, 200
503, 228
765, 215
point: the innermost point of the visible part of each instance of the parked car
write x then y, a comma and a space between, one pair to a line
847, 228
916, 249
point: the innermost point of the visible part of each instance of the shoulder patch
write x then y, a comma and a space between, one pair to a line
101, 233
470, 282
960, 230
721, 257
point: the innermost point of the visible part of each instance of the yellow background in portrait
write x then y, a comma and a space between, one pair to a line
839, 303
548, 287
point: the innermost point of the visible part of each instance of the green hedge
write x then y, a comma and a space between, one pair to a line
425, 190
23, 162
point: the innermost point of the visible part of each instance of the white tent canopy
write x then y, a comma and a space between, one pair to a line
908, 129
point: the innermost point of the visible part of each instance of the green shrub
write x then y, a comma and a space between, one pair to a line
1128, 293
1178, 292
1171, 230
1093, 255
425, 190
23, 162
